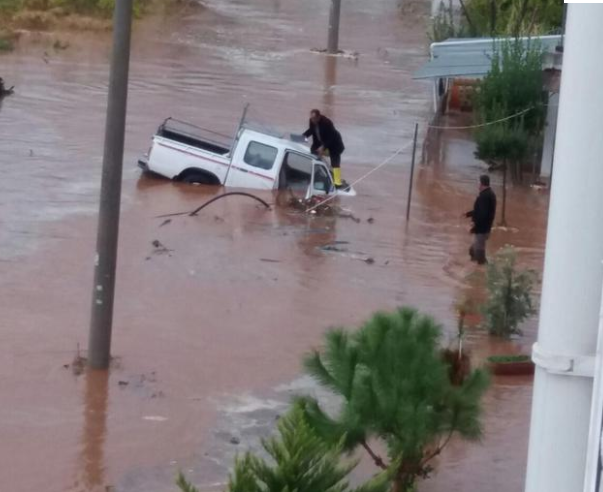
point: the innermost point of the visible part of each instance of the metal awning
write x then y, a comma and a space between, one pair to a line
471, 57
474, 65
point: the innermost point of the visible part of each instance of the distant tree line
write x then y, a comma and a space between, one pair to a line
482, 18
102, 8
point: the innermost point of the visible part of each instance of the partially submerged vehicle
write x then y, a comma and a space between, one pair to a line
253, 159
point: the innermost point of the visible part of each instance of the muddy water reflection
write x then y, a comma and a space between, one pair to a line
330, 83
94, 433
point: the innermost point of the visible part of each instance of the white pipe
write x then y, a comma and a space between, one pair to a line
573, 274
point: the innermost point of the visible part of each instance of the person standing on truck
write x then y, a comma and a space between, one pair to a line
482, 215
326, 141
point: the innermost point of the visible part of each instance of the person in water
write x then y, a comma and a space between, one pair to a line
326, 141
482, 215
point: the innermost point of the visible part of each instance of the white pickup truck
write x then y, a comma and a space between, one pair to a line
252, 159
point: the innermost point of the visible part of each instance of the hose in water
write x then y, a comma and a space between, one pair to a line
216, 198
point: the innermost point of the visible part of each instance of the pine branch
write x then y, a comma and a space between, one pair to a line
438, 449
376, 458
184, 485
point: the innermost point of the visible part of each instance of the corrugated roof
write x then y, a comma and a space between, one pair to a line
471, 57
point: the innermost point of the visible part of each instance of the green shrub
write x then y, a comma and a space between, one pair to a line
514, 84
6, 44
501, 143
510, 293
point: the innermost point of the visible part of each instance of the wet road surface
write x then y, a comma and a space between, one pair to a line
209, 334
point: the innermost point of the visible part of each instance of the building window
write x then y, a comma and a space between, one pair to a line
260, 155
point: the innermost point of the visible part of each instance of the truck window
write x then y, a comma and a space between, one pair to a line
260, 155
296, 172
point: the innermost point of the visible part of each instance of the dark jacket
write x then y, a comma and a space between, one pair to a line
324, 134
484, 211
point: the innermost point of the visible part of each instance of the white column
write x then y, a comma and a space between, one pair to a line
573, 273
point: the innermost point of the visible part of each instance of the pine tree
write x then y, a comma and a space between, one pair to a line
395, 389
300, 462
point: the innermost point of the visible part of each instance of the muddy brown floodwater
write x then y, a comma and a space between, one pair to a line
209, 332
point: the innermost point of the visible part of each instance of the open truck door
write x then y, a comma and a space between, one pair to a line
321, 182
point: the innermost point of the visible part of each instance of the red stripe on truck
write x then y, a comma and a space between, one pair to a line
194, 155
217, 162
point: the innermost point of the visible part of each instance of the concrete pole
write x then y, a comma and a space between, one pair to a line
99, 345
333, 42
573, 274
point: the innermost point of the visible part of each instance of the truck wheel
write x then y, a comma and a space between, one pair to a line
196, 178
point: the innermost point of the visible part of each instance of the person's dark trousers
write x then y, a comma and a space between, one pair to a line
477, 251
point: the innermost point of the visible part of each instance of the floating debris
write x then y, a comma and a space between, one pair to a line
154, 418
160, 249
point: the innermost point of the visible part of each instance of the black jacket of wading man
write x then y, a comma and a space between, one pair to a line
483, 213
324, 134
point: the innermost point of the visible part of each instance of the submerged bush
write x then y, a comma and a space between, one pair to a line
510, 293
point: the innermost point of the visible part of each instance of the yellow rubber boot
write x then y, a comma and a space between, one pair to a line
337, 176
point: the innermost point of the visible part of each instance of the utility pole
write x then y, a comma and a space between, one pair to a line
333, 42
571, 292
412, 171
99, 345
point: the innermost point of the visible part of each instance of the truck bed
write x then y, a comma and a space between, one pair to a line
194, 136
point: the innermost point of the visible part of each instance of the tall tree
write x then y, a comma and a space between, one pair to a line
511, 94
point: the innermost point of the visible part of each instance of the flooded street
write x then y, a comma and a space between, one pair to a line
209, 333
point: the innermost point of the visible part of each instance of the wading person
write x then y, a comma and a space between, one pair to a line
482, 215
326, 141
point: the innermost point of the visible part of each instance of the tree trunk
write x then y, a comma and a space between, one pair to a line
503, 220
492, 18
522, 16
401, 485
472, 28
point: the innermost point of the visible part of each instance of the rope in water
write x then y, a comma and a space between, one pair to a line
481, 124
366, 175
